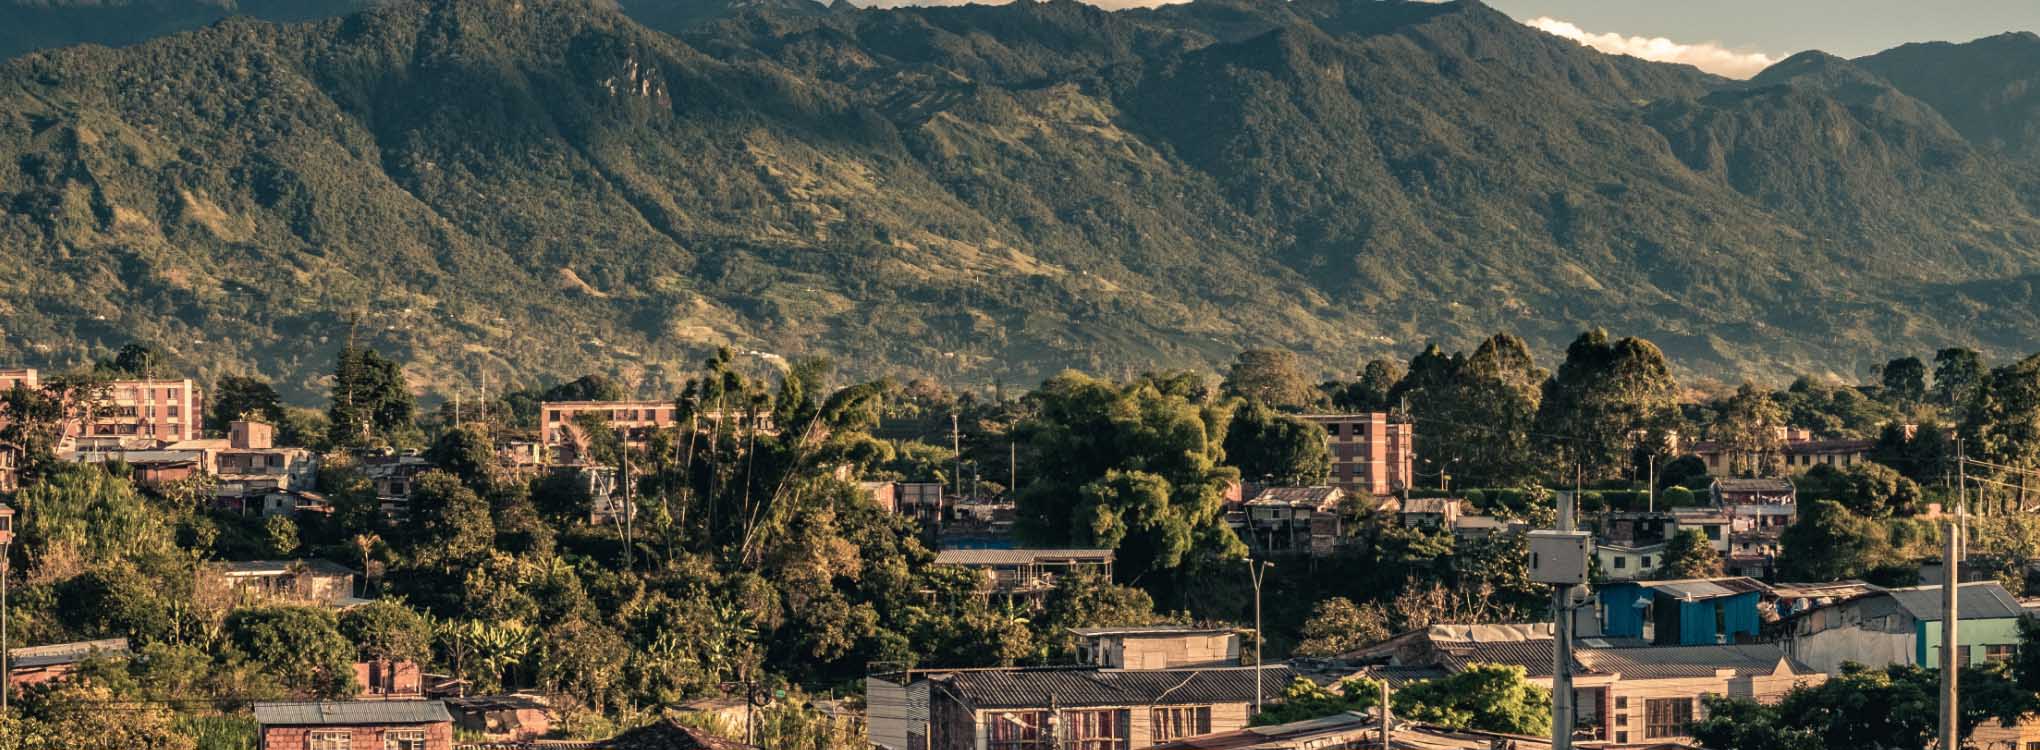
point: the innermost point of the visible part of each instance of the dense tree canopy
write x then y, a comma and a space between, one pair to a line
1603, 395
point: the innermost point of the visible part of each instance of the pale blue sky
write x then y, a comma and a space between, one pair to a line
1850, 28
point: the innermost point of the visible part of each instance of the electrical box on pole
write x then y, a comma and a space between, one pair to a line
1560, 558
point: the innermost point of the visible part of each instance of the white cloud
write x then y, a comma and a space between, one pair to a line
1707, 56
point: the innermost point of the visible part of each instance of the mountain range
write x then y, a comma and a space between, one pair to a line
528, 189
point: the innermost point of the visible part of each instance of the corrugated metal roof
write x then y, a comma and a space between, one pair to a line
1977, 601
1301, 497
1397, 677
350, 713
281, 567
65, 653
1673, 662
1535, 657
1018, 556
1730, 484
1151, 630
1114, 687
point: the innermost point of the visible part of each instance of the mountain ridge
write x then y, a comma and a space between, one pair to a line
538, 189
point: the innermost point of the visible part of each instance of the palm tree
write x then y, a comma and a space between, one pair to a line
365, 543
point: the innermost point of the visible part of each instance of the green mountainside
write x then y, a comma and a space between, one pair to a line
534, 188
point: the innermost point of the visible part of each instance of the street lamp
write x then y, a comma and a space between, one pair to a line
1257, 571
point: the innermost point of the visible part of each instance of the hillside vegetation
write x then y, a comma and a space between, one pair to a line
532, 188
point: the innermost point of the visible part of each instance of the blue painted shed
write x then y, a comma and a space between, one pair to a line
1694, 612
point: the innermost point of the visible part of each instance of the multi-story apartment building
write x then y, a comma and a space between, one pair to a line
1372, 454
166, 411
635, 421
1797, 452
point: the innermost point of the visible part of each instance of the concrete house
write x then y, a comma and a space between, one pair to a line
1902, 626
1621, 562
1091, 709
1432, 513
1296, 519
1028, 572
1625, 691
1158, 647
309, 581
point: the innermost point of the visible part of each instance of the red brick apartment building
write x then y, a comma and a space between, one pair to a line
1371, 453
165, 411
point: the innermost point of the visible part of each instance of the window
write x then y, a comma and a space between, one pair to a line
1644, 562
1621, 738
404, 739
1622, 702
1621, 562
2000, 652
329, 740
1667, 717
1961, 656
1714, 533
1094, 730
1177, 723
1016, 730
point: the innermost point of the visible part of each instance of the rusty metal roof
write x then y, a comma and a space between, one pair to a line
1075, 688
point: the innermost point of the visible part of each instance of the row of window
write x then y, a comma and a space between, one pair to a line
341, 739
1104, 729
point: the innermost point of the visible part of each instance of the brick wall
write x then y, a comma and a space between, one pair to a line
437, 736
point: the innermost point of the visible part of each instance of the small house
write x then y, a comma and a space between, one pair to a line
1902, 626
355, 725
36, 665
1432, 513
1158, 647
502, 718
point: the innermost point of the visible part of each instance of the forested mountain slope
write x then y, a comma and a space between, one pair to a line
982, 193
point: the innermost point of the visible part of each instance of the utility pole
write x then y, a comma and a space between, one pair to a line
1257, 571
1651, 489
1951, 578
1387, 720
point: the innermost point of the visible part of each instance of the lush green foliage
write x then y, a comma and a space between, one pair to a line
441, 180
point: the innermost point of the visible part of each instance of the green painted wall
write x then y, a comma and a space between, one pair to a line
1973, 635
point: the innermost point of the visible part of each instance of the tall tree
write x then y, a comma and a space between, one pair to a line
1499, 389
1135, 462
448, 523
1371, 392
301, 646
2001, 425
1749, 428
371, 403
238, 397
1272, 376
135, 360
1605, 395
1905, 380
1474, 413
1337, 625
1270, 446
1956, 371
1828, 543
1689, 555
